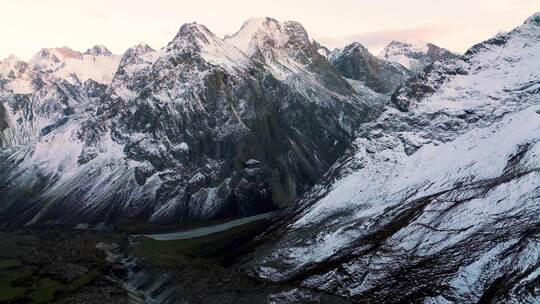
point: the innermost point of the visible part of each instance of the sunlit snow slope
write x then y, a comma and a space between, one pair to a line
438, 200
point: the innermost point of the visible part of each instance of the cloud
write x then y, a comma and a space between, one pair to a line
376, 40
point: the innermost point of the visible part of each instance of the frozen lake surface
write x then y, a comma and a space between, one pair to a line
203, 231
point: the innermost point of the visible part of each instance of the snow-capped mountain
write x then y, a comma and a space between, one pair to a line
46, 104
14, 75
54, 84
97, 63
196, 131
355, 62
438, 199
432, 197
98, 50
12, 67
287, 51
51, 58
51, 64
415, 55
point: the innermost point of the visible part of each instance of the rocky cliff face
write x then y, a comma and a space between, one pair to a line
200, 130
437, 201
355, 62
321, 49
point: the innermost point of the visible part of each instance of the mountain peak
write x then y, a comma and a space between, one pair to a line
193, 29
253, 24
58, 53
48, 57
257, 22
415, 55
12, 65
347, 51
355, 62
98, 50
143, 45
355, 46
63, 52
137, 54
195, 40
140, 48
534, 19
265, 28
268, 34
399, 46
192, 36
64, 63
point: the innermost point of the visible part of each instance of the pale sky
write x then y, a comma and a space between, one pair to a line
28, 25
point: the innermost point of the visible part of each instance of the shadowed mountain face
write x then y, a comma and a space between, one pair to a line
438, 199
355, 62
198, 131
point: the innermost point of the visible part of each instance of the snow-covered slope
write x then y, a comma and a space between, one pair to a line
196, 39
46, 104
12, 67
286, 49
14, 75
415, 55
438, 200
55, 84
97, 63
51, 58
289, 54
100, 68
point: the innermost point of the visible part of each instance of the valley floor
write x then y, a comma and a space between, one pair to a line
85, 266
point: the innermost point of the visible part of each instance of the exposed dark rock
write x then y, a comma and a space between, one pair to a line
355, 62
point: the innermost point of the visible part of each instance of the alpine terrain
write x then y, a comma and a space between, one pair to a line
438, 199
263, 167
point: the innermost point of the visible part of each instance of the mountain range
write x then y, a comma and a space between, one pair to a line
204, 128
408, 177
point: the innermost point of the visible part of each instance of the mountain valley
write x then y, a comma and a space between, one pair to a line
263, 167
